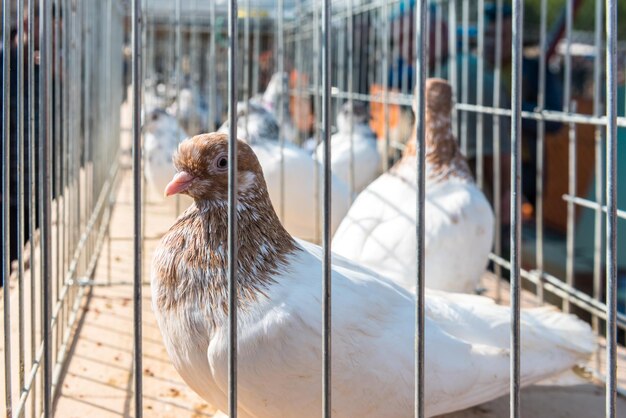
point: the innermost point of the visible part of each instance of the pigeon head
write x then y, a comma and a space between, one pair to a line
158, 121
202, 165
356, 112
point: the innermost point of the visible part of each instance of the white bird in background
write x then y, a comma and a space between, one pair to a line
379, 230
279, 321
191, 110
355, 141
296, 205
162, 134
276, 94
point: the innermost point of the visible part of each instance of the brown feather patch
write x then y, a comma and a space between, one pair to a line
190, 265
443, 156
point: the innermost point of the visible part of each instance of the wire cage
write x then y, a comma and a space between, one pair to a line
539, 98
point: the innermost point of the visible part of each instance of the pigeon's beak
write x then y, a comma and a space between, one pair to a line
181, 182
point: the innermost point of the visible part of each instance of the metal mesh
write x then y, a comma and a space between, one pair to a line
61, 146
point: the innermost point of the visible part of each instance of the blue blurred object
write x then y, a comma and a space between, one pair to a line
472, 35
530, 86
397, 72
491, 11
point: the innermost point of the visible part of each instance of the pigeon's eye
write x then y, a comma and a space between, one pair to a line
222, 162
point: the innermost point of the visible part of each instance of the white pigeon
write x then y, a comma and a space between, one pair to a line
276, 94
354, 142
292, 188
379, 229
162, 134
279, 314
191, 110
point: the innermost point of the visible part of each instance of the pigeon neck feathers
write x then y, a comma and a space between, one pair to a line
444, 160
191, 264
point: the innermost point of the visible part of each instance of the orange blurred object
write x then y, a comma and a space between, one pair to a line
377, 111
527, 211
301, 107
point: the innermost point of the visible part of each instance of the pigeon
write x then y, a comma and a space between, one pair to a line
296, 202
379, 229
354, 142
279, 319
274, 95
191, 110
162, 134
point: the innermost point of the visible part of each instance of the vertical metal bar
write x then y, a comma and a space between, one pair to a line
541, 92
480, 51
598, 149
571, 209
212, 74
421, 41
569, 265
611, 205
84, 132
406, 48
178, 49
256, 52
109, 107
177, 73
567, 65
233, 32
350, 53
373, 51
20, 194
32, 190
246, 64
326, 265
280, 49
6, 144
298, 65
393, 37
516, 202
340, 69
137, 186
385, 82
497, 175
317, 105
45, 134
452, 57
143, 71
465, 74
57, 162
438, 38
194, 52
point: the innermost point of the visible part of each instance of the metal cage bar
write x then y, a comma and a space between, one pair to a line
611, 203
6, 25
136, 30
539, 258
233, 71
516, 203
326, 219
45, 154
421, 37
73, 196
